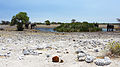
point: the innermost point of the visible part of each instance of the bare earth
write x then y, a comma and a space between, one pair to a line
63, 45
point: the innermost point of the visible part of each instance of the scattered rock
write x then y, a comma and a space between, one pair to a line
40, 48
39, 53
67, 52
3, 48
48, 56
20, 58
25, 52
79, 51
102, 62
73, 40
55, 59
96, 50
58, 51
81, 56
89, 59
29, 52
48, 47
61, 61
1, 29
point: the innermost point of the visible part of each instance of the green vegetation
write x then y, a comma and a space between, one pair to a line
77, 27
73, 21
53, 23
59, 23
20, 19
114, 48
47, 22
5, 22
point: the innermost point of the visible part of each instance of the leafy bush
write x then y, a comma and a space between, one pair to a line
77, 27
114, 48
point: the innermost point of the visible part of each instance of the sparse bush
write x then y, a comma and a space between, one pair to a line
114, 48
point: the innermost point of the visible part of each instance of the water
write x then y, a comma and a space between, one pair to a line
52, 29
46, 29
105, 29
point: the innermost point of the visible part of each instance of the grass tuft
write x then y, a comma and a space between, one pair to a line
114, 48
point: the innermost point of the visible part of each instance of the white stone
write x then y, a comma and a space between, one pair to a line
81, 57
102, 62
89, 59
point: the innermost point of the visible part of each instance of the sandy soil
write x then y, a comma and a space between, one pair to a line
48, 26
63, 45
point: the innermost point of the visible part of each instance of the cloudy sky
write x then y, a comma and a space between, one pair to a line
62, 10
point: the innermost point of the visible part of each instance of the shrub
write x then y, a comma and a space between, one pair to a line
114, 48
77, 27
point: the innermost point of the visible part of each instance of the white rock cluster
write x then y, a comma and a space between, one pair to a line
81, 56
102, 62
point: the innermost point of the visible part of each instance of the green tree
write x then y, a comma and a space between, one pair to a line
47, 22
59, 23
73, 20
53, 22
20, 19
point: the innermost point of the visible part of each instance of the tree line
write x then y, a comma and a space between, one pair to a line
22, 19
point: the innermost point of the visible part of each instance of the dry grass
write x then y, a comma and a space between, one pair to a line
114, 48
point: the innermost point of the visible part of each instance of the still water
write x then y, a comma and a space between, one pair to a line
46, 29
52, 29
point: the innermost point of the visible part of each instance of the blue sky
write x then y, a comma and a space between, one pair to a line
62, 10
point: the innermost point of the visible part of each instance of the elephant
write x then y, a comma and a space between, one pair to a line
96, 25
110, 27
27, 25
33, 25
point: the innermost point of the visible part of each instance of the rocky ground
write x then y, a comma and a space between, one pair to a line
36, 49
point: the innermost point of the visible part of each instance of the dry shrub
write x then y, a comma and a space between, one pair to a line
114, 48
